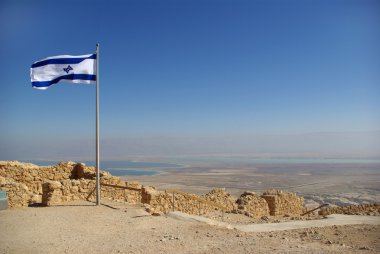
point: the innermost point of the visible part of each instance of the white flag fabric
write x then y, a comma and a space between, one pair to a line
72, 69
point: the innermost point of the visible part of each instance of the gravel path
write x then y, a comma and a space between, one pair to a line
120, 228
331, 220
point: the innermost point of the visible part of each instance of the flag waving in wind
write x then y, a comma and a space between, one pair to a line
72, 69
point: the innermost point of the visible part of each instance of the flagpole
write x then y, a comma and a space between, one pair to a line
97, 128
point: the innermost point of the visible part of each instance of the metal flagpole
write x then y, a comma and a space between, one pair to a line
97, 128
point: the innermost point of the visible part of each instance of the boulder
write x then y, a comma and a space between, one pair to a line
252, 205
223, 198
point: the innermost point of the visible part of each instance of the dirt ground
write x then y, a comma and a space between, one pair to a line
81, 227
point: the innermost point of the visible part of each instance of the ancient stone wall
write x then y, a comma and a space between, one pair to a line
252, 205
283, 203
33, 176
275, 203
18, 193
63, 182
162, 202
58, 192
221, 197
365, 209
67, 181
132, 196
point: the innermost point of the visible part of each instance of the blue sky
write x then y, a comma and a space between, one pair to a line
172, 72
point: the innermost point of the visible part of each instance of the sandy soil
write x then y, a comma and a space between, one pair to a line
120, 228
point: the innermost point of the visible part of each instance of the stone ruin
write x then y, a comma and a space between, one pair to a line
18, 193
28, 184
248, 204
220, 196
364, 209
252, 205
283, 203
162, 202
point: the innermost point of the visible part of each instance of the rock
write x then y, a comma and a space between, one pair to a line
75, 183
148, 193
252, 205
248, 193
18, 194
53, 185
223, 198
281, 203
363, 209
35, 199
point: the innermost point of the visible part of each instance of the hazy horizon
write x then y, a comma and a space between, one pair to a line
307, 145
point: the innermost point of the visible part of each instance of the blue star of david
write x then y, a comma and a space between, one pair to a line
67, 69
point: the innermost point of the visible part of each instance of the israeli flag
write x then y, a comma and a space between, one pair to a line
72, 69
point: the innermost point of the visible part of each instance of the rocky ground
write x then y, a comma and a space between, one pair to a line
81, 227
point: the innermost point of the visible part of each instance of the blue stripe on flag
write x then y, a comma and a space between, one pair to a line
69, 77
62, 61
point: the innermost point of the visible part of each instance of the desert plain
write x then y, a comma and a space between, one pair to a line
333, 183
